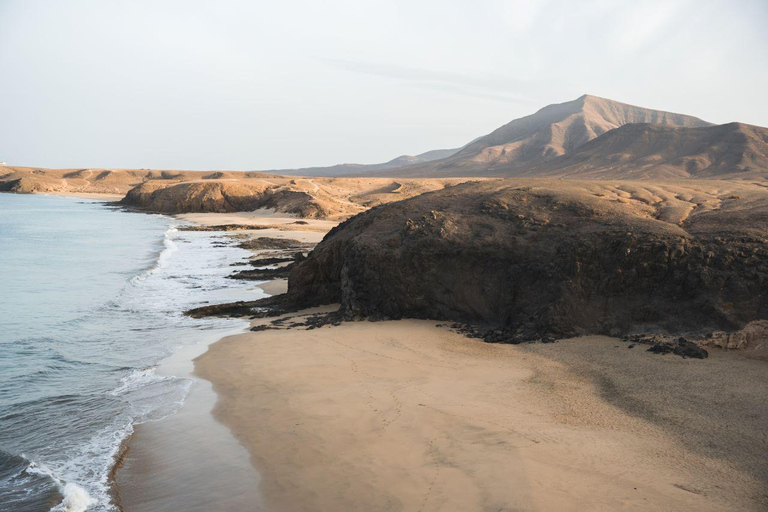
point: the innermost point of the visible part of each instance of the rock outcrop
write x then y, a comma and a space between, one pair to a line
311, 198
754, 335
550, 259
224, 197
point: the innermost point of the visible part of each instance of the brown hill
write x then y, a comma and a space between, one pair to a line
638, 151
27, 180
553, 131
552, 258
314, 198
222, 191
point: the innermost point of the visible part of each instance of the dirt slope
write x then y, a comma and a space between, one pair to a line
639, 151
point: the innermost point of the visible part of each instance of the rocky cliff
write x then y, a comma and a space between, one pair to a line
552, 259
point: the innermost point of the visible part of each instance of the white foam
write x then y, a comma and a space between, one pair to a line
169, 247
76, 499
138, 379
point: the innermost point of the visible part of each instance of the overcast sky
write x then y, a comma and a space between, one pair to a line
281, 84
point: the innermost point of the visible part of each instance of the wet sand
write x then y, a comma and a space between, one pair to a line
190, 461
404, 415
187, 461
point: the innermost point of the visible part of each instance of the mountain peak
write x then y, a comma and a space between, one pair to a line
559, 128
549, 133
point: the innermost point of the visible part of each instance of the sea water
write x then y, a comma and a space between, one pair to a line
91, 299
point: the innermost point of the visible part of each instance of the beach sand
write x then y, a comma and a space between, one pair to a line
88, 195
404, 415
189, 461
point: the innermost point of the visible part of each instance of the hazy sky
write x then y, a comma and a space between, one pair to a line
281, 84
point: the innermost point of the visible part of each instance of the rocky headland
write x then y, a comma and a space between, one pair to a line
550, 259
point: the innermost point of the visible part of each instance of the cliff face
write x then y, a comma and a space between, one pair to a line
551, 259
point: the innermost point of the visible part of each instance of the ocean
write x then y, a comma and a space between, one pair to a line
91, 300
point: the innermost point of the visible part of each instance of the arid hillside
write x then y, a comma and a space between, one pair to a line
553, 131
640, 151
222, 191
324, 198
27, 180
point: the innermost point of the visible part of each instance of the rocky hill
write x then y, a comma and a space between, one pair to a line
312, 198
221, 191
639, 151
552, 259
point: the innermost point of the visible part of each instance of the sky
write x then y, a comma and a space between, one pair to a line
258, 85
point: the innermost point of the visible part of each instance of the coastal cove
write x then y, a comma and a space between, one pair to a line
303, 415
189, 460
394, 256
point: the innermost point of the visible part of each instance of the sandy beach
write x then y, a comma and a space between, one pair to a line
404, 415
190, 461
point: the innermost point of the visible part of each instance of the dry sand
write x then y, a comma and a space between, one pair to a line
269, 224
404, 415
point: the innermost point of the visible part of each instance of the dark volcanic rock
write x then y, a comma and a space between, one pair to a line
263, 274
686, 348
543, 262
266, 243
260, 262
680, 347
262, 308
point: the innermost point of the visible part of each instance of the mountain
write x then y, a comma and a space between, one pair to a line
638, 151
552, 132
590, 138
349, 169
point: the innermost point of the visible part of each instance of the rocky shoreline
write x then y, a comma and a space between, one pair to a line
521, 263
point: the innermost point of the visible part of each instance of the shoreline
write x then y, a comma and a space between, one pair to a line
185, 461
149, 466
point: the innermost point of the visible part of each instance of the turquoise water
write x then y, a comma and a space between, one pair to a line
91, 299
